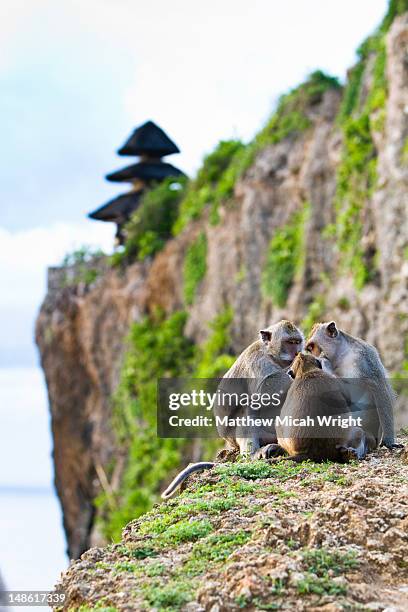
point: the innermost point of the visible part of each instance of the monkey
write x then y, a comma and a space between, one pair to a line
275, 349
353, 358
261, 366
316, 393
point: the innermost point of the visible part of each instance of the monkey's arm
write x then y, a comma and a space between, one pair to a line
277, 381
275, 384
181, 477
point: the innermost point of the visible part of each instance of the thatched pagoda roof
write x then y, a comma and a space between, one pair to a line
149, 139
146, 171
119, 209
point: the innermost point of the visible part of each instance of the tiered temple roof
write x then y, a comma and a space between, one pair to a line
150, 143
149, 139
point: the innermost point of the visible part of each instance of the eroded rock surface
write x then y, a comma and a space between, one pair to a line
262, 536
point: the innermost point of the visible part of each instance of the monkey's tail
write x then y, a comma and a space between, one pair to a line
181, 477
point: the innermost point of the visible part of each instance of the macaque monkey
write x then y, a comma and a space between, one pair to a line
313, 394
261, 367
353, 358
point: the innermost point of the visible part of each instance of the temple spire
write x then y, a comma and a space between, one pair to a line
150, 143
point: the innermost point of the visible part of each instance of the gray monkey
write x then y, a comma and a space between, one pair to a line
353, 358
261, 367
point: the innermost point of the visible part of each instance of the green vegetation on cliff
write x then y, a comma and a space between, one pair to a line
212, 184
362, 114
150, 225
82, 266
395, 8
157, 348
195, 267
284, 259
289, 119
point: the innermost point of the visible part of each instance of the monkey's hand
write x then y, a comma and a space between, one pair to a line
390, 444
347, 453
268, 451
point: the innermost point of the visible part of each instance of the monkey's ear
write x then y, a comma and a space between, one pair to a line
291, 373
332, 329
265, 335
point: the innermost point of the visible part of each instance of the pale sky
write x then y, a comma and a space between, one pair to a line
78, 75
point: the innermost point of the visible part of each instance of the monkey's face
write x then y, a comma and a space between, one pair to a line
283, 342
290, 347
324, 338
304, 362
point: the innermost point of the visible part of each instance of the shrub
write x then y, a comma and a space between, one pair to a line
151, 223
82, 263
83, 255
210, 185
212, 361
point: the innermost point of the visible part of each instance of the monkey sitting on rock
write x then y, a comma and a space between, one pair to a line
311, 424
262, 366
353, 358
341, 356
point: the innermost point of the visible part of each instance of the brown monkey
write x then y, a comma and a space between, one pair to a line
261, 367
310, 424
353, 358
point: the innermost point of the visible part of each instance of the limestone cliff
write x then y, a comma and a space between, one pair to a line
340, 181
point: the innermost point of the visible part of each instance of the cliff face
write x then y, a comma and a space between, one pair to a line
81, 328
80, 333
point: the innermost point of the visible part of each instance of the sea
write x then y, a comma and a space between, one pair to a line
32, 542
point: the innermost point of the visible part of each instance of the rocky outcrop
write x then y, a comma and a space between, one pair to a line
81, 329
81, 334
261, 536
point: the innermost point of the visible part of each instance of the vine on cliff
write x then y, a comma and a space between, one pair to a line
284, 259
195, 267
359, 118
212, 184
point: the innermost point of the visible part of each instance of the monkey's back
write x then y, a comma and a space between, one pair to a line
312, 395
253, 362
